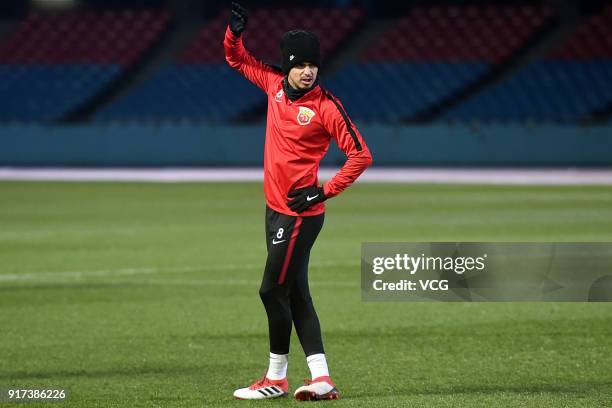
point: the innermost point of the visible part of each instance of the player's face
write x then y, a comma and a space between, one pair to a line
303, 76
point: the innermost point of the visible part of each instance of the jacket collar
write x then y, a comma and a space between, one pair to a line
295, 94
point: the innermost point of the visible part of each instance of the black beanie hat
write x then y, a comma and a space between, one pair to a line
299, 46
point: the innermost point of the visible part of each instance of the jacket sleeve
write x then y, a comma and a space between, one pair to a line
340, 127
239, 58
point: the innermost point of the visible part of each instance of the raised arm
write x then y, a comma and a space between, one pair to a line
239, 58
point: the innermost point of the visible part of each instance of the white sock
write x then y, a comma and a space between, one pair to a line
277, 370
318, 365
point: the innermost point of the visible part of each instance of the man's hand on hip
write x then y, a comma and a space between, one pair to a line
303, 198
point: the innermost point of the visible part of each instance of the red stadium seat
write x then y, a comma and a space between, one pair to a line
460, 33
592, 40
114, 37
330, 24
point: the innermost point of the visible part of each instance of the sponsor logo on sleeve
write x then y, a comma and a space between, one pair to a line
279, 96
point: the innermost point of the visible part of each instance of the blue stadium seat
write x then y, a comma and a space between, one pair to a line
207, 92
39, 92
547, 90
391, 91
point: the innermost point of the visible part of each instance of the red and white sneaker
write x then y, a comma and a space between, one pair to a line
321, 388
264, 388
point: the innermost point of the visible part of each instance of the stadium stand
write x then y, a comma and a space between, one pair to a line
432, 54
572, 83
199, 85
437, 60
53, 62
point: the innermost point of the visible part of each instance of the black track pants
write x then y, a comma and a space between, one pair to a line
284, 289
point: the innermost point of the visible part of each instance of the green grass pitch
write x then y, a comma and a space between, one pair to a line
145, 295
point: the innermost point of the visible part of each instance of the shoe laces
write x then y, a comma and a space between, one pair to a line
260, 382
308, 381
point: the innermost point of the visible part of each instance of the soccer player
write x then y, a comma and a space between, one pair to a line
302, 120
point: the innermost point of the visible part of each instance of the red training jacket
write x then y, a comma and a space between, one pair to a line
298, 134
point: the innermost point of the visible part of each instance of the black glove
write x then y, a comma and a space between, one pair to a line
303, 198
239, 19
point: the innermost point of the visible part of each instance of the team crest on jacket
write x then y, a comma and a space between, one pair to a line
304, 115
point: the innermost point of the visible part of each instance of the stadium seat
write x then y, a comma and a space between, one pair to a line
199, 85
432, 54
570, 84
57, 61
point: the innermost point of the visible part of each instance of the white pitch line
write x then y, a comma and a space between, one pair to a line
170, 175
113, 272
79, 275
74, 274
490, 176
237, 282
